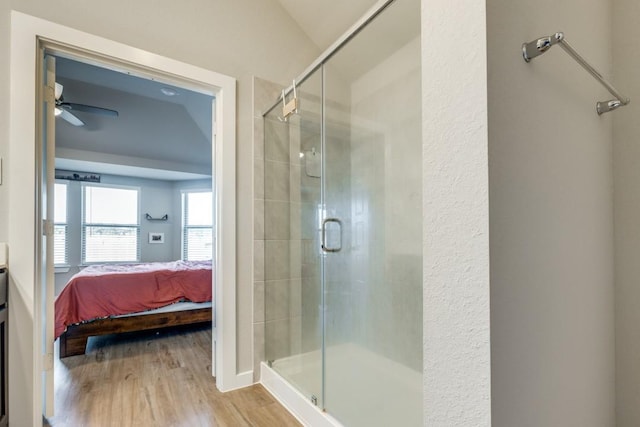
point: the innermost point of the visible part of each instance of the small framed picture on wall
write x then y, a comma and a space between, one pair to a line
156, 237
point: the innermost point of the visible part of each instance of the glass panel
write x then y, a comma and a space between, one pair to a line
293, 296
373, 187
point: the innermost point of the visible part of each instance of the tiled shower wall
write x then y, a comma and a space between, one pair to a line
264, 95
287, 291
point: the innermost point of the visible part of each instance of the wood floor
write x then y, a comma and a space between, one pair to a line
155, 379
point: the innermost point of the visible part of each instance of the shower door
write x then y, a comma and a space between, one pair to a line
343, 228
372, 224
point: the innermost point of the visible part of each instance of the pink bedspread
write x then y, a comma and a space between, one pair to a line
101, 291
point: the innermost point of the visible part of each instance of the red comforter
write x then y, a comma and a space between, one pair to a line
101, 291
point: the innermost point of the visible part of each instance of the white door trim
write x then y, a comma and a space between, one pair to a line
25, 32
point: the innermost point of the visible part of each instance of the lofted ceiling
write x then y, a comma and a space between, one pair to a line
324, 21
155, 135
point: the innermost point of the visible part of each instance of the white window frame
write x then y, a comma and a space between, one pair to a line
84, 225
66, 228
184, 227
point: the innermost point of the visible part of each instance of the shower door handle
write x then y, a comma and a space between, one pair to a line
325, 246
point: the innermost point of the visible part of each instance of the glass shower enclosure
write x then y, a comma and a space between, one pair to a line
343, 228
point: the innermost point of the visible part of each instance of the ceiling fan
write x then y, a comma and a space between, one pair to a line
64, 109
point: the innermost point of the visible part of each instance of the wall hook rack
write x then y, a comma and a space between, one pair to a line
150, 218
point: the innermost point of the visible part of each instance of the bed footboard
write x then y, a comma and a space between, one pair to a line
73, 342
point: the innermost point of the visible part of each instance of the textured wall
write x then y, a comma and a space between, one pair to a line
455, 209
552, 332
626, 157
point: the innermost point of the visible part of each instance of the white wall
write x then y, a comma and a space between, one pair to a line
455, 209
238, 38
626, 158
550, 180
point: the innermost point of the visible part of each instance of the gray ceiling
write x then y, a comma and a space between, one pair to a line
153, 132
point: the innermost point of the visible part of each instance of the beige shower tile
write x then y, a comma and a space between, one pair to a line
276, 181
295, 259
276, 220
258, 260
294, 144
308, 221
258, 302
310, 187
276, 141
294, 178
276, 295
258, 138
277, 343
295, 297
258, 178
295, 233
258, 219
276, 260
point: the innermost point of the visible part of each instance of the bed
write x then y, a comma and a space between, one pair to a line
115, 298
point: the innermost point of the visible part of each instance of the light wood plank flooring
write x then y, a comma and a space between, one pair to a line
155, 379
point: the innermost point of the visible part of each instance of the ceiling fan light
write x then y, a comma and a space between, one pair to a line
168, 91
58, 111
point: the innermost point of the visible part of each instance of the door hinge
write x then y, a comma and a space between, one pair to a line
47, 228
47, 361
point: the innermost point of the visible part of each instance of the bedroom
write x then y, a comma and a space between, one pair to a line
126, 193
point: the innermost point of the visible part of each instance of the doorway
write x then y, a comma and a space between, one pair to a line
61, 40
133, 181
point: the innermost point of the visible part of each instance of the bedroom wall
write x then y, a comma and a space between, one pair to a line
157, 198
240, 39
626, 157
551, 218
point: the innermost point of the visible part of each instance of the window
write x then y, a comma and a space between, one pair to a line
60, 224
110, 224
197, 226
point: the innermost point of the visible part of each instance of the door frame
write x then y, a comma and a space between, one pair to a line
29, 35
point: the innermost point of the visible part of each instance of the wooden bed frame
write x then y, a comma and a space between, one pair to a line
73, 341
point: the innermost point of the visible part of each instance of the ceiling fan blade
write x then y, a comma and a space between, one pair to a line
88, 109
66, 115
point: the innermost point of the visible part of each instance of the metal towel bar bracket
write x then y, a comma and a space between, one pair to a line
541, 45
